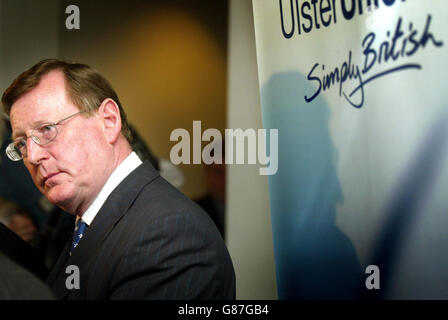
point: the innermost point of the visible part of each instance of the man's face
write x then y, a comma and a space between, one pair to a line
71, 169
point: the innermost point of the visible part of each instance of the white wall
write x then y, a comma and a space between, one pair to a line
248, 216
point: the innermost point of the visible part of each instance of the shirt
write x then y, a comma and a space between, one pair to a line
119, 174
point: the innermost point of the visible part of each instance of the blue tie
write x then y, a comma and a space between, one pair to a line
77, 235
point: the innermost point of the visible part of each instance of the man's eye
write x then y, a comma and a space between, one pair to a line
46, 128
20, 144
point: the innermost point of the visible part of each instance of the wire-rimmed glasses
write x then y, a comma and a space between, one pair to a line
42, 135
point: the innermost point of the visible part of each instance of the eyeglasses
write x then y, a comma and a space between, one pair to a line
42, 135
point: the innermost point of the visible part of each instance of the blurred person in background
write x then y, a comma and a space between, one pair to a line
17, 219
214, 200
17, 283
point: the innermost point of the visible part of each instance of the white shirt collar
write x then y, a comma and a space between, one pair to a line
119, 174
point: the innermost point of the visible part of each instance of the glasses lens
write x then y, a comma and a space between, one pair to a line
13, 153
44, 134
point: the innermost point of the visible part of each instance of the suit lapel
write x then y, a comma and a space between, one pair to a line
59, 265
116, 205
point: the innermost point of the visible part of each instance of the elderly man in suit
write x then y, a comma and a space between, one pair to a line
136, 236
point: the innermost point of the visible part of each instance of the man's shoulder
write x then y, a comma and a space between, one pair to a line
146, 198
18, 283
162, 197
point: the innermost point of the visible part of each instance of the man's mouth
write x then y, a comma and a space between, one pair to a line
47, 178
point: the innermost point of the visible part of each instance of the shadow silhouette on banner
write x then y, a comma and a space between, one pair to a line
314, 258
404, 209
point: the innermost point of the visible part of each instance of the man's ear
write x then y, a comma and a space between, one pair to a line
110, 116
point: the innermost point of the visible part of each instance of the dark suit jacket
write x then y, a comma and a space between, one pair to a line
18, 283
12, 246
148, 241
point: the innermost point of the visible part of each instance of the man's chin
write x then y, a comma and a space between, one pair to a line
58, 197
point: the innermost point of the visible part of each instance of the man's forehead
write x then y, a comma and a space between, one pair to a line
20, 124
50, 85
41, 104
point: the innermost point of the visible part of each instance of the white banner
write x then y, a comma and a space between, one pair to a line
359, 94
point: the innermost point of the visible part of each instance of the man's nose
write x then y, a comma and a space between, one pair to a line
35, 152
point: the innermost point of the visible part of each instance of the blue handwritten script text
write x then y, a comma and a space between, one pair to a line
401, 44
